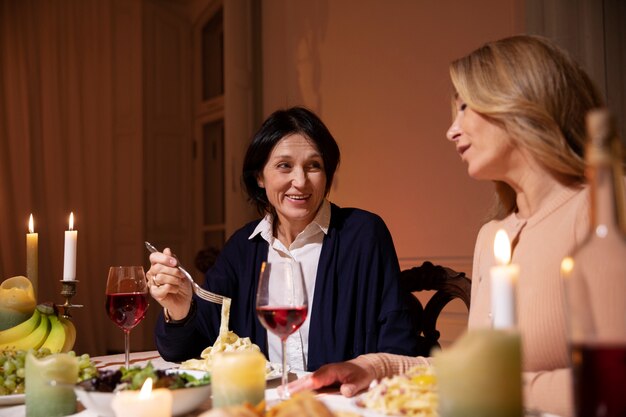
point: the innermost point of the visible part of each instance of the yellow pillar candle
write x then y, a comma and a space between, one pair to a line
481, 375
238, 378
17, 301
145, 403
32, 254
49, 385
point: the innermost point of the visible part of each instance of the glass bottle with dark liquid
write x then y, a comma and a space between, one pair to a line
595, 280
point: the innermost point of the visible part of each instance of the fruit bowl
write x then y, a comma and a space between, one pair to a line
184, 400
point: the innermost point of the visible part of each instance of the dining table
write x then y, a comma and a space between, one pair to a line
330, 397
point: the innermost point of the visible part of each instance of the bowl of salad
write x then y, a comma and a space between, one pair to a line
189, 388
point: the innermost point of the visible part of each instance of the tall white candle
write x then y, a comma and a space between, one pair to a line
69, 260
32, 254
504, 278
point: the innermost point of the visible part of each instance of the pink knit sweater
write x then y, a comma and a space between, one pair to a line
541, 243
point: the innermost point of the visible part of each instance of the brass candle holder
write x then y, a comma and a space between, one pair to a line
68, 290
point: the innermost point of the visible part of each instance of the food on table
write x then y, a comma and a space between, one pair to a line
300, 404
45, 328
233, 411
227, 341
412, 394
345, 413
134, 377
17, 301
12, 371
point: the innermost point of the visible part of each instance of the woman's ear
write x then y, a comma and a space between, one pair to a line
259, 181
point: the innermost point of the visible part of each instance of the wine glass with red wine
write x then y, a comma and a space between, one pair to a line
127, 300
282, 304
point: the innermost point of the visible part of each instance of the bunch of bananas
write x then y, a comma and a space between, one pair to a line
43, 329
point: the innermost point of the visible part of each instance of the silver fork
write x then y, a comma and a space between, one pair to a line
200, 292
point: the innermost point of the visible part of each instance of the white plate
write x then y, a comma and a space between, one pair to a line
273, 370
192, 372
12, 399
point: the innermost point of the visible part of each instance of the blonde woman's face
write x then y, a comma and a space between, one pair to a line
485, 147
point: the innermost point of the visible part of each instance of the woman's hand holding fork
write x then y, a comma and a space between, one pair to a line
168, 285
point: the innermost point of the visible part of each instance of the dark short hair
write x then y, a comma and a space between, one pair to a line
282, 123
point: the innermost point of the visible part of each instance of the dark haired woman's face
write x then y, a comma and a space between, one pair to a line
294, 180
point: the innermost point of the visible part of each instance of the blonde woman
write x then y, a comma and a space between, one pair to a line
519, 121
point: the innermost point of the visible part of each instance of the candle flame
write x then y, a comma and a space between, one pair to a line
72, 221
146, 389
567, 265
502, 247
31, 224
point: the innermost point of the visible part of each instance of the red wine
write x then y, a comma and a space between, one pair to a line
282, 321
599, 380
127, 309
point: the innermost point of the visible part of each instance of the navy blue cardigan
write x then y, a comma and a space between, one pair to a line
357, 308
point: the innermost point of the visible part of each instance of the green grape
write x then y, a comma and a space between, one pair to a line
89, 373
10, 385
87, 369
20, 360
19, 389
12, 368
44, 352
9, 367
84, 363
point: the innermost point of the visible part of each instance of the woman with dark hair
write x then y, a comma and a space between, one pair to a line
347, 255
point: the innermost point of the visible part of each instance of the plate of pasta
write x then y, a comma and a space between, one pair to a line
412, 394
228, 341
273, 370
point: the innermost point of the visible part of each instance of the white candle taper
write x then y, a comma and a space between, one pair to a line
503, 284
69, 260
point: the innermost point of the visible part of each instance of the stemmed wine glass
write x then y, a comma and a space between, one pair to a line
127, 300
282, 304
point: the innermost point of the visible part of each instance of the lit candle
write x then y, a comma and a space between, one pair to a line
481, 375
32, 254
238, 378
503, 284
49, 385
146, 403
69, 260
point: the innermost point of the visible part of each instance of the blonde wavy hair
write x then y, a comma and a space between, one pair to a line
539, 95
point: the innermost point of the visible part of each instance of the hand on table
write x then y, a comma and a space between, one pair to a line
168, 286
352, 378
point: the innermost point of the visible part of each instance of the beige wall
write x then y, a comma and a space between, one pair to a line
376, 72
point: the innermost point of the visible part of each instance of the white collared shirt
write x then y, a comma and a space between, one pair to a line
306, 249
